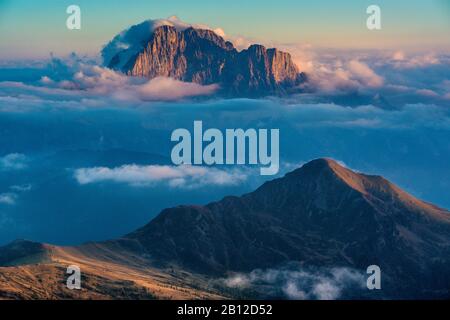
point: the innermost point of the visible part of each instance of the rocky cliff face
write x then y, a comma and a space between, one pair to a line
201, 56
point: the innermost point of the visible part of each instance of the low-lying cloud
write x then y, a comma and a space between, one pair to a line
299, 283
382, 78
162, 88
389, 80
77, 84
185, 176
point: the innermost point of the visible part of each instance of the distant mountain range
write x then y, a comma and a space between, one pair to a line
321, 215
201, 56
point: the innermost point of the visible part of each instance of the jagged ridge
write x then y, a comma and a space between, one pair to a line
201, 56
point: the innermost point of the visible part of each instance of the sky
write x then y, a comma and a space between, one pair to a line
31, 29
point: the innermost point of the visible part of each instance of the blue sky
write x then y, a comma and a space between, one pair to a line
33, 29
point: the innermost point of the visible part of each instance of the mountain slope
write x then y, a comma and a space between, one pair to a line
22, 252
108, 272
321, 214
202, 56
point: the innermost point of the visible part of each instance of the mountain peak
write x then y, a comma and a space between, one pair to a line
322, 163
284, 219
202, 56
333, 177
339, 171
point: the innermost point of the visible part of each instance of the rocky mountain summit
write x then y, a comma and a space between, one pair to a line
202, 56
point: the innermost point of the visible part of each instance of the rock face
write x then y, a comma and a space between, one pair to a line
203, 57
322, 215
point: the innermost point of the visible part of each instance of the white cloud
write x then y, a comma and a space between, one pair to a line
238, 281
364, 74
91, 85
427, 93
418, 60
98, 81
398, 56
292, 292
13, 161
162, 88
46, 80
343, 76
8, 198
298, 283
185, 176
21, 188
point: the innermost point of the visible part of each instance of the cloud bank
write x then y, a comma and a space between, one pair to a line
350, 79
185, 176
74, 83
382, 78
299, 283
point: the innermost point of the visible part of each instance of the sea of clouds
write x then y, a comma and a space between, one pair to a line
90, 142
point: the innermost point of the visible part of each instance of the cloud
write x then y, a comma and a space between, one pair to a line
398, 56
341, 76
21, 187
185, 176
8, 198
401, 61
96, 81
365, 75
161, 88
80, 84
427, 93
382, 78
13, 161
299, 283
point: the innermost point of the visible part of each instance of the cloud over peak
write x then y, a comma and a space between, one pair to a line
134, 38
